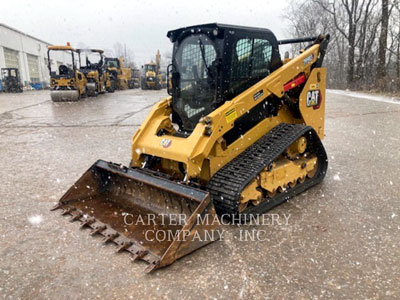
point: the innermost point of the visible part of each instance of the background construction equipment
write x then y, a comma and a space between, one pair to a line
10, 80
67, 83
91, 65
151, 75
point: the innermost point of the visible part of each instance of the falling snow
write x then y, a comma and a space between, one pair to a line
343, 234
35, 220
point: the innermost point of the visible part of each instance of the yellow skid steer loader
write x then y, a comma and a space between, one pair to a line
240, 133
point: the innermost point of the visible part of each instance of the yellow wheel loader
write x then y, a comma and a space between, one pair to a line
240, 133
67, 83
112, 66
151, 76
119, 75
91, 65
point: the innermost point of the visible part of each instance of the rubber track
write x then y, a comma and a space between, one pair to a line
227, 184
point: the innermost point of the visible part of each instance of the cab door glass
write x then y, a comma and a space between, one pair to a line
251, 61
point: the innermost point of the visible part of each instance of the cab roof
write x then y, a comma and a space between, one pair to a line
91, 50
61, 47
174, 34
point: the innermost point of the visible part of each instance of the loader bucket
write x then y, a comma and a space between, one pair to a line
155, 219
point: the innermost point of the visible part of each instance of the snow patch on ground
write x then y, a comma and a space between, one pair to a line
366, 96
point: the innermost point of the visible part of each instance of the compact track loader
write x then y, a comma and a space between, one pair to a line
67, 83
91, 65
240, 133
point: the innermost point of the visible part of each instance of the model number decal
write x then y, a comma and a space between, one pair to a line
308, 59
257, 95
230, 115
313, 98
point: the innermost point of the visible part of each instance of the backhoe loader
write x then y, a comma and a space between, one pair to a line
151, 75
239, 134
91, 65
67, 83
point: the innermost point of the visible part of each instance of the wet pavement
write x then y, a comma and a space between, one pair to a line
341, 240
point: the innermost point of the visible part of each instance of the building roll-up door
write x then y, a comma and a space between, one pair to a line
11, 58
33, 64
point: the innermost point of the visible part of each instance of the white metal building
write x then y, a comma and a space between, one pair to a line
28, 54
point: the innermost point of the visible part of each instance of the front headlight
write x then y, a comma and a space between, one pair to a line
53, 82
71, 82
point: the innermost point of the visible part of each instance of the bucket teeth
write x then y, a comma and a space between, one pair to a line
68, 210
76, 216
109, 199
151, 266
87, 222
57, 206
98, 229
109, 237
124, 246
139, 254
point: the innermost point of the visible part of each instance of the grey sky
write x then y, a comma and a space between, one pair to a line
141, 25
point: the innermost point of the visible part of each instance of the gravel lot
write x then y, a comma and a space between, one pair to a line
341, 240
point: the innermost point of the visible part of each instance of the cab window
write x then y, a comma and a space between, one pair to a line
251, 60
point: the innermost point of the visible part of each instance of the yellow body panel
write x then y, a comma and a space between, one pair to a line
66, 47
78, 83
75, 82
151, 83
285, 171
204, 149
124, 78
100, 80
311, 116
153, 79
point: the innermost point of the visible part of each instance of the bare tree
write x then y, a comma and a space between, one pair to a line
308, 18
120, 50
381, 70
166, 59
350, 17
393, 64
365, 39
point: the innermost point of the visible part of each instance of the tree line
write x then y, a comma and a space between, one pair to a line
364, 51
